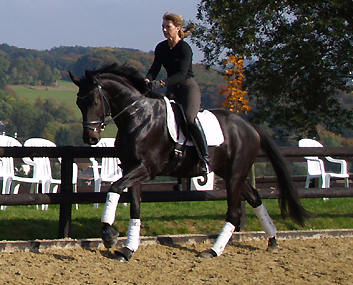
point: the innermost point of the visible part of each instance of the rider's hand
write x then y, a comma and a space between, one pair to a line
155, 84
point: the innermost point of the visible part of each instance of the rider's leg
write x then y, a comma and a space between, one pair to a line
199, 139
189, 95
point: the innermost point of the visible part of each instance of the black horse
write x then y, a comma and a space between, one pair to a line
144, 147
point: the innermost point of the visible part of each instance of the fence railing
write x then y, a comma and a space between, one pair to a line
67, 197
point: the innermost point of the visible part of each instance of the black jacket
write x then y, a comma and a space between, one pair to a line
176, 61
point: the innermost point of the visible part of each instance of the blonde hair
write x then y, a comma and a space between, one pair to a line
179, 21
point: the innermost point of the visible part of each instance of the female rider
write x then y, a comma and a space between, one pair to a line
175, 55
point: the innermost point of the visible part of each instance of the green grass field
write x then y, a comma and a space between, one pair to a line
64, 92
28, 223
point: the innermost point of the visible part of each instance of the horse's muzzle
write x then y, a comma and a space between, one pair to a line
90, 137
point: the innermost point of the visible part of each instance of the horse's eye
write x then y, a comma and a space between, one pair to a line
96, 103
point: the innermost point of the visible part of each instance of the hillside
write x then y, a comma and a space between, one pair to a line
38, 97
45, 68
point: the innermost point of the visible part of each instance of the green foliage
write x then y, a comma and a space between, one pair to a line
24, 117
69, 135
50, 130
300, 52
45, 118
4, 66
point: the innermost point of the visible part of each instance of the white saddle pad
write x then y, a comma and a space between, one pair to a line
209, 122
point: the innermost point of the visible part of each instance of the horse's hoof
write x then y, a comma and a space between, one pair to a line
109, 237
273, 249
209, 253
119, 257
273, 246
124, 254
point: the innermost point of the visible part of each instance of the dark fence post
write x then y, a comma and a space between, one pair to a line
66, 188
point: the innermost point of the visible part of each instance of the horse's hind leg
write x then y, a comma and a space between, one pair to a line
251, 195
233, 187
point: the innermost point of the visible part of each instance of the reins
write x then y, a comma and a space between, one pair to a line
104, 123
122, 111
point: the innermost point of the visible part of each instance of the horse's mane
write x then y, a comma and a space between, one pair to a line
128, 72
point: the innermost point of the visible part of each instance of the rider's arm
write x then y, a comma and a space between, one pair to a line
156, 65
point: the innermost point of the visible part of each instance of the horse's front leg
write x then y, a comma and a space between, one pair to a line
133, 235
131, 180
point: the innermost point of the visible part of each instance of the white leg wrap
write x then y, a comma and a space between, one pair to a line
223, 238
109, 211
133, 235
265, 221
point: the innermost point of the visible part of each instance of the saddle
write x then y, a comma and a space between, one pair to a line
177, 126
178, 130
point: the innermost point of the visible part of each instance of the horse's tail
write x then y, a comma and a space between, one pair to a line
288, 193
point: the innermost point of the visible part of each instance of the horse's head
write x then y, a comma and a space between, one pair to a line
93, 105
125, 82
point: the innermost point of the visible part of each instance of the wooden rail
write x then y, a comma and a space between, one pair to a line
66, 197
160, 196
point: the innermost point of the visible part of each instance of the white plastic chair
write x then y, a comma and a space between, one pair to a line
108, 170
7, 169
316, 167
42, 173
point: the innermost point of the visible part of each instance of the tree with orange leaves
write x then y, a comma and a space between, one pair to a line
235, 100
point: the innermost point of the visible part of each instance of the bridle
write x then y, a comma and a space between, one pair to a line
103, 123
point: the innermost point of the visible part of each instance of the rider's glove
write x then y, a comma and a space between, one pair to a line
155, 84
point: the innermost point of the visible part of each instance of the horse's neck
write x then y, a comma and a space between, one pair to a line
122, 101
141, 112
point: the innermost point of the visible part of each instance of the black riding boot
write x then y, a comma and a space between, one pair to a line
200, 142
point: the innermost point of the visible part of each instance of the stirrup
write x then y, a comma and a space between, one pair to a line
204, 167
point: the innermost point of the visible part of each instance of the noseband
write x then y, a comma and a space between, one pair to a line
103, 123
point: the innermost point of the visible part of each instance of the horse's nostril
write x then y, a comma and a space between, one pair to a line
93, 141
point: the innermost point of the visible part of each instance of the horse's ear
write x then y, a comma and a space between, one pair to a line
114, 65
75, 79
91, 78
